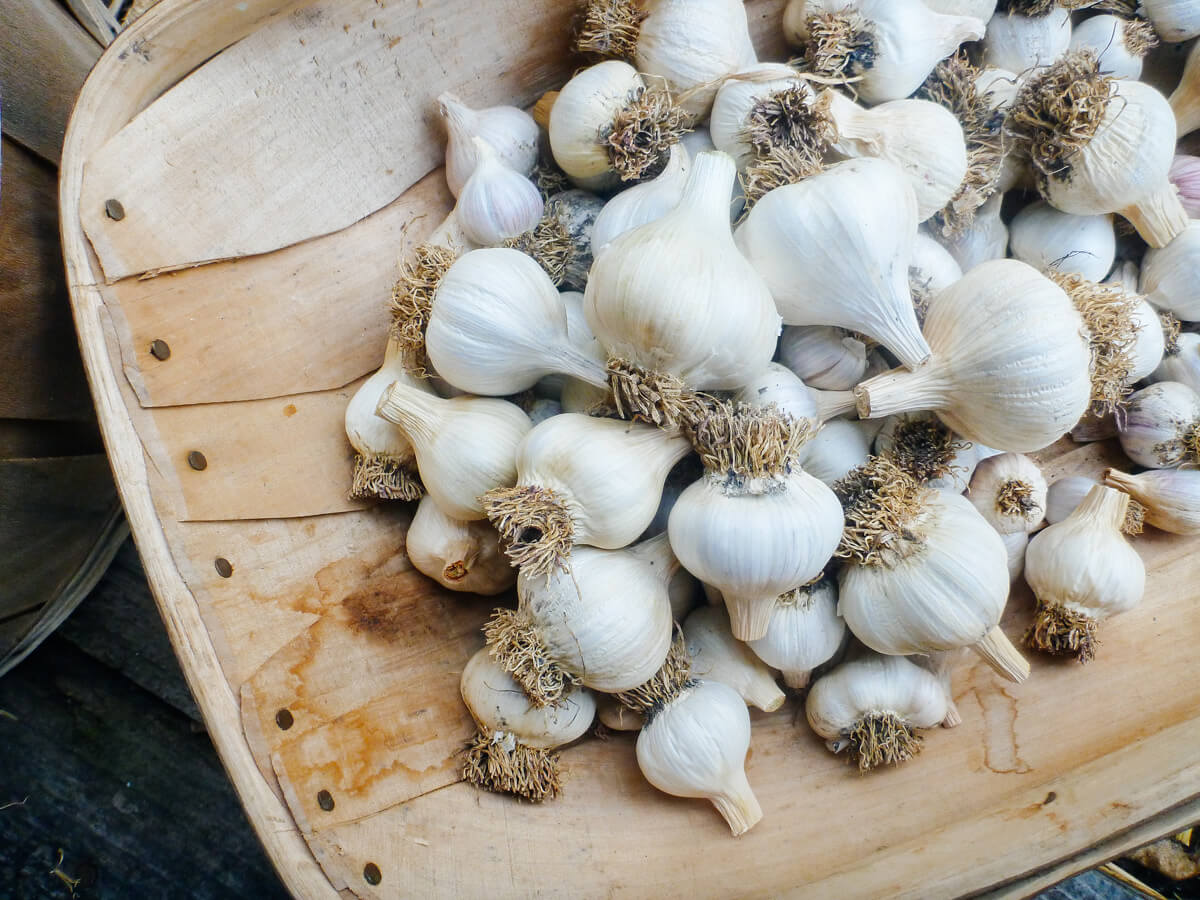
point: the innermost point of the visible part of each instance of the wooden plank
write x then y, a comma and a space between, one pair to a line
235, 161
41, 375
44, 57
306, 318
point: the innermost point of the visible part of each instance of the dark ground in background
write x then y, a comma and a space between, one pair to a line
110, 778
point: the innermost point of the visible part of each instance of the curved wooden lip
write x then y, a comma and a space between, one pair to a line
121, 84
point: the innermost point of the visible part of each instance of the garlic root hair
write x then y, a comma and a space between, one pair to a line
999, 653
384, 478
655, 397
749, 618
777, 167
550, 179
549, 245
516, 646
535, 525
925, 448
671, 679
610, 28
879, 500
883, 738
840, 45
1063, 632
748, 441
412, 301
1108, 312
643, 133
528, 772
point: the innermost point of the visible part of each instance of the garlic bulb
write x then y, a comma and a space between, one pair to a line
941, 664
1170, 498
508, 131
606, 624
1185, 175
683, 590
742, 111
924, 140
873, 705
931, 269
780, 386
674, 301
986, 238
497, 203
838, 447
1182, 365
642, 203
978, 9
755, 525
1161, 427
1010, 364
696, 745
615, 716
1150, 344
1019, 42
1173, 20
1009, 491
823, 357
1185, 99
1047, 238
1066, 494
511, 753
1015, 545
1107, 148
384, 464
1168, 278
886, 47
924, 570
582, 480
928, 450
1119, 44
717, 656
461, 556
805, 632
834, 250
497, 325
1082, 570
464, 447
595, 119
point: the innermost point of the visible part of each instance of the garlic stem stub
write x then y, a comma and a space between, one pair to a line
1010, 365
805, 632
718, 656
1009, 491
510, 132
873, 705
1067, 493
1161, 427
582, 480
924, 570
755, 525
1170, 498
513, 751
461, 556
1082, 571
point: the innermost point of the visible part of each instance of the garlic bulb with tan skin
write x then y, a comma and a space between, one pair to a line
924, 571
461, 556
1082, 571
513, 751
718, 656
805, 632
1169, 498
1185, 99
1009, 491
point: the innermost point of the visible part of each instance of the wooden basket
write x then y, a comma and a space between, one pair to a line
294, 151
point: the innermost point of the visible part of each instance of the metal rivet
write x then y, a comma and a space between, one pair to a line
325, 800
284, 720
371, 874
114, 210
197, 461
223, 566
160, 350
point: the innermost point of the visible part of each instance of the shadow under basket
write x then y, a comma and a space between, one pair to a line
238, 184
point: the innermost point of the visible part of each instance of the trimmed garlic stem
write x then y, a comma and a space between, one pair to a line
901, 390
1158, 217
832, 404
738, 806
798, 680
999, 653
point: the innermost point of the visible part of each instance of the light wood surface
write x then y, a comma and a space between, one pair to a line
1113, 743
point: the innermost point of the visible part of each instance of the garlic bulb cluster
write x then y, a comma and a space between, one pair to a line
510, 133
1119, 44
1168, 276
805, 632
461, 556
1009, 491
1046, 238
1082, 570
1161, 427
1170, 498
873, 706
718, 656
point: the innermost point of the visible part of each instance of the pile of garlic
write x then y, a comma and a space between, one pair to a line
705, 321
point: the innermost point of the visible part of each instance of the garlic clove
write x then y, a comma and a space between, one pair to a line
1161, 426
461, 556
497, 203
1119, 43
835, 404
1183, 364
642, 203
1170, 498
1009, 491
823, 357
510, 132
718, 656
1185, 99
1046, 238
805, 632
1168, 276
1019, 42
1185, 175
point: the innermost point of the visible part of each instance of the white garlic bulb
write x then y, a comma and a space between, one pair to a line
496, 203
823, 357
1119, 43
676, 300
739, 96
615, 716
1185, 99
1170, 497
1046, 238
986, 238
1161, 426
1168, 276
931, 269
1182, 365
978, 9
509, 131
924, 140
1010, 366
1009, 491
1173, 20
1015, 545
510, 754
838, 447
805, 632
1021, 42
497, 325
461, 556
834, 250
696, 745
1150, 345
717, 656
642, 203
872, 705
779, 385
464, 447
1082, 570
582, 480
926, 448
924, 570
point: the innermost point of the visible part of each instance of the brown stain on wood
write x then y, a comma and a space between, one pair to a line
289, 410
1001, 749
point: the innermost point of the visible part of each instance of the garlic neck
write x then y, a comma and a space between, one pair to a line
1105, 506
706, 194
902, 390
417, 413
458, 116
1158, 217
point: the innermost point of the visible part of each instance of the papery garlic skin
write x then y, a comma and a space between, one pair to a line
1183, 365
779, 385
717, 656
498, 325
642, 203
576, 211
985, 240
1150, 343
696, 747
497, 203
834, 250
585, 109
1185, 175
931, 269
1104, 35
461, 556
1046, 238
1173, 20
617, 717
509, 131
1009, 491
838, 447
735, 101
1016, 544
1161, 425
1170, 497
805, 632
1168, 277
978, 9
1019, 43
823, 357
1185, 99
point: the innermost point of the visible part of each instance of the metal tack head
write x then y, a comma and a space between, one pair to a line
284, 720
197, 461
223, 566
325, 800
160, 350
371, 873
114, 210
